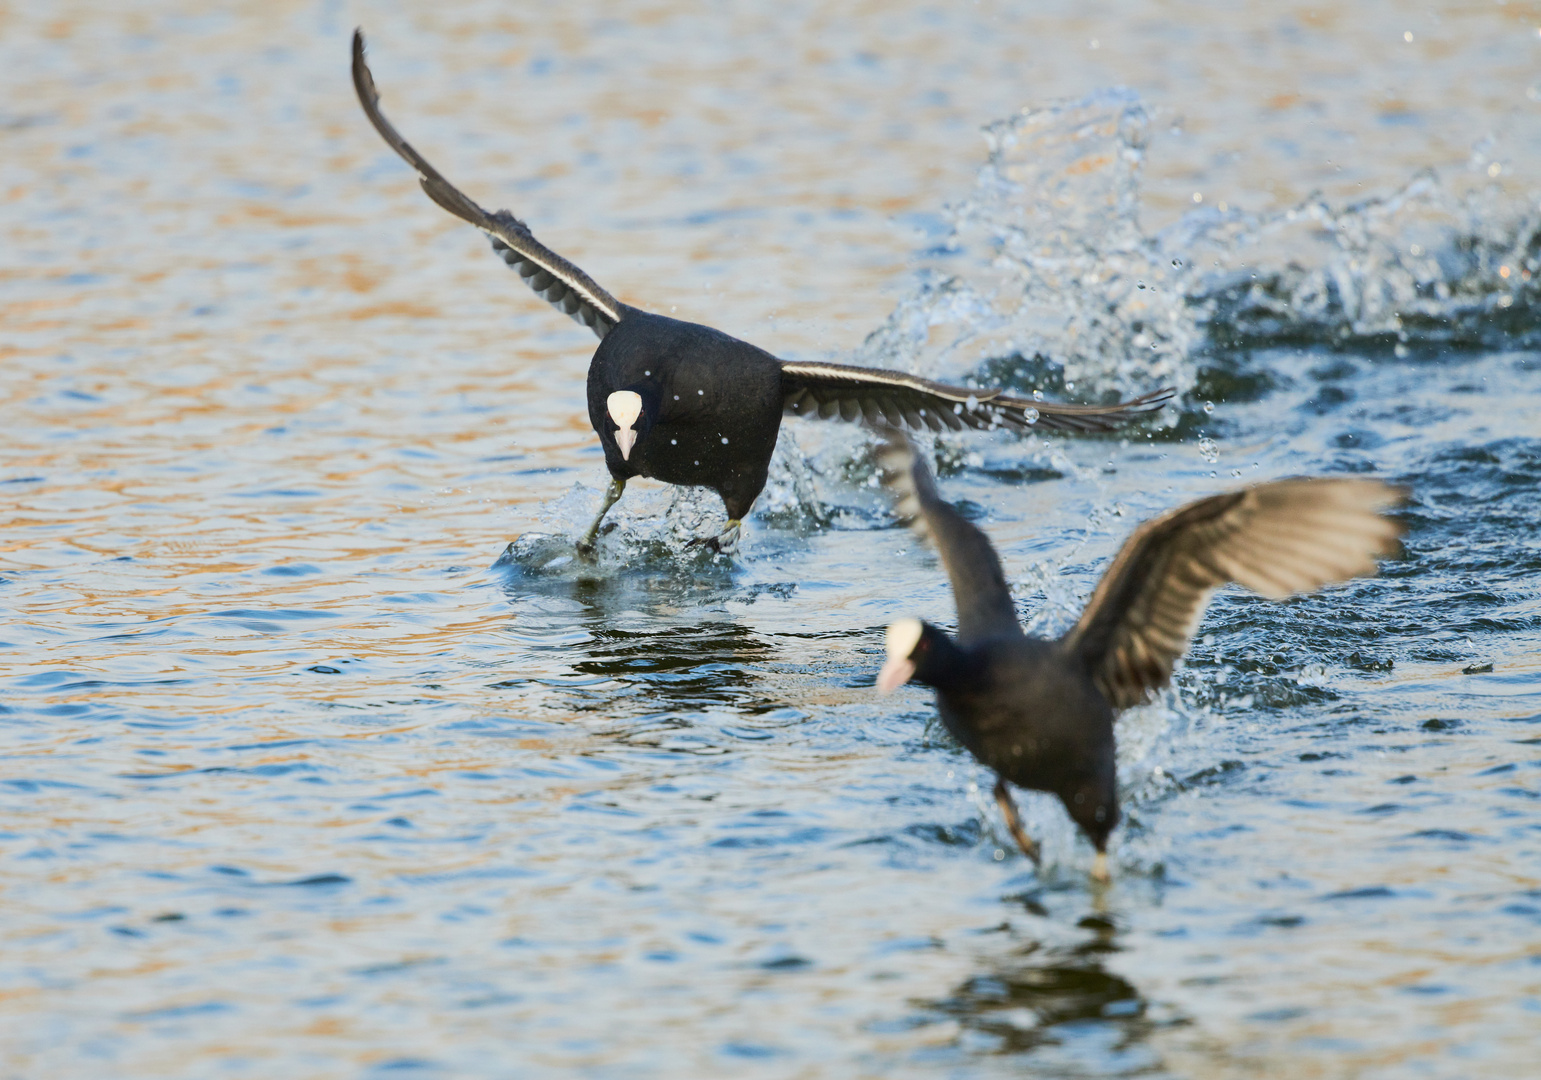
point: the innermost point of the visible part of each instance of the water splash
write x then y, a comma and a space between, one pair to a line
1047, 279
1420, 267
1047, 282
648, 526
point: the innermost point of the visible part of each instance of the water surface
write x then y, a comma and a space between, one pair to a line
304, 774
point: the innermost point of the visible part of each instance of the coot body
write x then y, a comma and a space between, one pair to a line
1040, 712
714, 403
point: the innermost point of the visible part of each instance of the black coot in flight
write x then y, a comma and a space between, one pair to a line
687, 404
1039, 712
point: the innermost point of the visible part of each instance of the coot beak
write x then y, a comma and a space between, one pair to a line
625, 438
895, 674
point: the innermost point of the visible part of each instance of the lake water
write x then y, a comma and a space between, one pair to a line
308, 772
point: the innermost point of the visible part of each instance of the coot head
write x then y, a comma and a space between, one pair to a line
632, 415
918, 652
1093, 804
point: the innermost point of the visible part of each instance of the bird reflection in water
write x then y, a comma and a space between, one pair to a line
634, 633
1038, 1000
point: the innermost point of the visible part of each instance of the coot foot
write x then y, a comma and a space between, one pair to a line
1008, 806
724, 542
612, 496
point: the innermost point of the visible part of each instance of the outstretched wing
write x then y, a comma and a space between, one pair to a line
561, 283
1289, 536
978, 584
829, 390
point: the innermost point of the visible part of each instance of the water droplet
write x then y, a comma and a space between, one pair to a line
701, 392
1037, 395
1177, 262
1209, 451
724, 440
1030, 415
674, 442
1139, 284
1069, 386
1209, 406
999, 854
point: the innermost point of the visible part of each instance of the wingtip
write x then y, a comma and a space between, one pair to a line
904, 474
895, 458
363, 78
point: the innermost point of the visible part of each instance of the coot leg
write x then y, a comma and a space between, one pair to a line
727, 540
1008, 806
612, 496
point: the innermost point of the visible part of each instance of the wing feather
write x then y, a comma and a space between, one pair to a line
1278, 539
827, 390
979, 587
553, 278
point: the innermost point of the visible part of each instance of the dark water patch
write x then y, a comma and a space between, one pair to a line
299, 614
1453, 836
785, 963
315, 881
404, 1066
178, 1012
1282, 922
36, 785
1370, 892
506, 727
963, 834
750, 1051
293, 570
1221, 773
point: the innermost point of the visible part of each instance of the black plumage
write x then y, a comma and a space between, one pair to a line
686, 404
1039, 712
